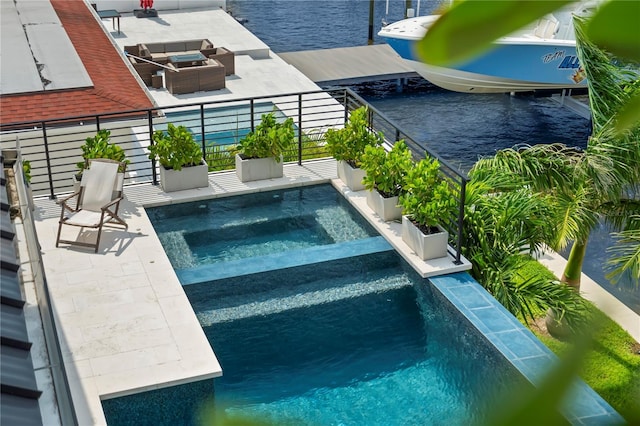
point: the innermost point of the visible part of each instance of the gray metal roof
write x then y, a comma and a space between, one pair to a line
19, 391
35, 52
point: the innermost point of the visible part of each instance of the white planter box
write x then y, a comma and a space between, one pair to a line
258, 168
350, 176
430, 246
386, 208
187, 178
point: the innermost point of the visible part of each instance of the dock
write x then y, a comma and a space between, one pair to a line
576, 103
351, 65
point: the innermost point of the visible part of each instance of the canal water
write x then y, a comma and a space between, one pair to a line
459, 127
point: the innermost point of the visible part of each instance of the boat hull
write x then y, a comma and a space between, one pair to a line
512, 65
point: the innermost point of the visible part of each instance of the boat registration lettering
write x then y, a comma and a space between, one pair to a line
571, 62
549, 57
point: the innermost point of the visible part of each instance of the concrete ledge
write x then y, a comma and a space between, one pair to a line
392, 232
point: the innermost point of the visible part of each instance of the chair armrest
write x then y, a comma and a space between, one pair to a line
111, 203
63, 202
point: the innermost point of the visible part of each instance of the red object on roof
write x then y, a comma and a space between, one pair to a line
146, 4
114, 86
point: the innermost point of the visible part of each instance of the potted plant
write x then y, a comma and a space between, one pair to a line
427, 202
347, 146
259, 154
385, 173
181, 163
99, 146
26, 173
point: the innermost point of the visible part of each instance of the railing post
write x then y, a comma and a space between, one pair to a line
397, 134
300, 129
204, 143
346, 108
251, 112
52, 194
463, 196
97, 123
154, 176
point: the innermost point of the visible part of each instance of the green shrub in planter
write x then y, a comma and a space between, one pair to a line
348, 143
269, 139
428, 198
175, 148
99, 146
386, 170
26, 171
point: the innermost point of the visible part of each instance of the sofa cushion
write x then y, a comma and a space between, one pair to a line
192, 44
175, 46
155, 47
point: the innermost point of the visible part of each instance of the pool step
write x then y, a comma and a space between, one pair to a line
282, 260
278, 300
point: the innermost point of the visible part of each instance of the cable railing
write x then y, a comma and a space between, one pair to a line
53, 146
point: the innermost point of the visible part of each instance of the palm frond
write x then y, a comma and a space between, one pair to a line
540, 166
621, 214
574, 216
625, 253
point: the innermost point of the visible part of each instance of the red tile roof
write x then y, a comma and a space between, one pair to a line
115, 88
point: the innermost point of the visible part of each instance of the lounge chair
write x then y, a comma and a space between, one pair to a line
97, 201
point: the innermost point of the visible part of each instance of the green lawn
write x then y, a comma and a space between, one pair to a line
612, 365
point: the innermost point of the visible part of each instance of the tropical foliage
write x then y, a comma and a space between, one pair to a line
100, 146
503, 229
386, 170
427, 197
269, 139
175, 148
601, 182
348, 143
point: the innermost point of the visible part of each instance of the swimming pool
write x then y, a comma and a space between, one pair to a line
331, 326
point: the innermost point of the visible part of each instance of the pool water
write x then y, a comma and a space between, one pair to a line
357, 341
273, 229
355, 337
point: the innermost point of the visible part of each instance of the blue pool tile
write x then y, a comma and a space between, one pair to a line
495, 320
471, 297
536, 368
520, 344
282, 260
601, 420
584, 403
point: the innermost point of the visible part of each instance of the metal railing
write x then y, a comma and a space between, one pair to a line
53, 146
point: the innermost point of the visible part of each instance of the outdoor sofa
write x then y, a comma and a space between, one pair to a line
209, 76
226, 58
160, 52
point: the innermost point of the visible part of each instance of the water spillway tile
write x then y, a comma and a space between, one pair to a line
282, 260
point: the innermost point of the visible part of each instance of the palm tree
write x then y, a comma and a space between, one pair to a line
501, 228
603, 181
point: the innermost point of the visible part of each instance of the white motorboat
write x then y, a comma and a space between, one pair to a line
542, 56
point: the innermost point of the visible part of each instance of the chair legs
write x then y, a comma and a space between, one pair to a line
113, 220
